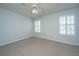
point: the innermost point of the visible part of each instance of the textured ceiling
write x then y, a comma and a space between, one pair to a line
45, 8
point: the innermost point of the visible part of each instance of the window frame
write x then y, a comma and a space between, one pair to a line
37, 26
65, 24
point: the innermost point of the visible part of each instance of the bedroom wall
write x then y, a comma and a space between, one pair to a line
14, 27
50, 27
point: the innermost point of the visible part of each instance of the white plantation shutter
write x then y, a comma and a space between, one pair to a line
67, 25
37, 25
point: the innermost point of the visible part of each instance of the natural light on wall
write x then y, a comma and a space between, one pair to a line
67, 25
37, 25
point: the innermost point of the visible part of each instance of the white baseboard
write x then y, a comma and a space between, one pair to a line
3, 44
43, 37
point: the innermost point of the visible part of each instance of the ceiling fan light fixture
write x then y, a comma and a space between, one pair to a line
35, 10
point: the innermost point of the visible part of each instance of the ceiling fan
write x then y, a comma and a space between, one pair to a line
35, 9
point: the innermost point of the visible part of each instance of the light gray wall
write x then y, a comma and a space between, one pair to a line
14, 27
50, 27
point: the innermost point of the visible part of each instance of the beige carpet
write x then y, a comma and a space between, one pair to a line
39, 47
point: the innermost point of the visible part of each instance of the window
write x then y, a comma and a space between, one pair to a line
37, 25
66, 25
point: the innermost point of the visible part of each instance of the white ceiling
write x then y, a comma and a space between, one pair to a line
46, 8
